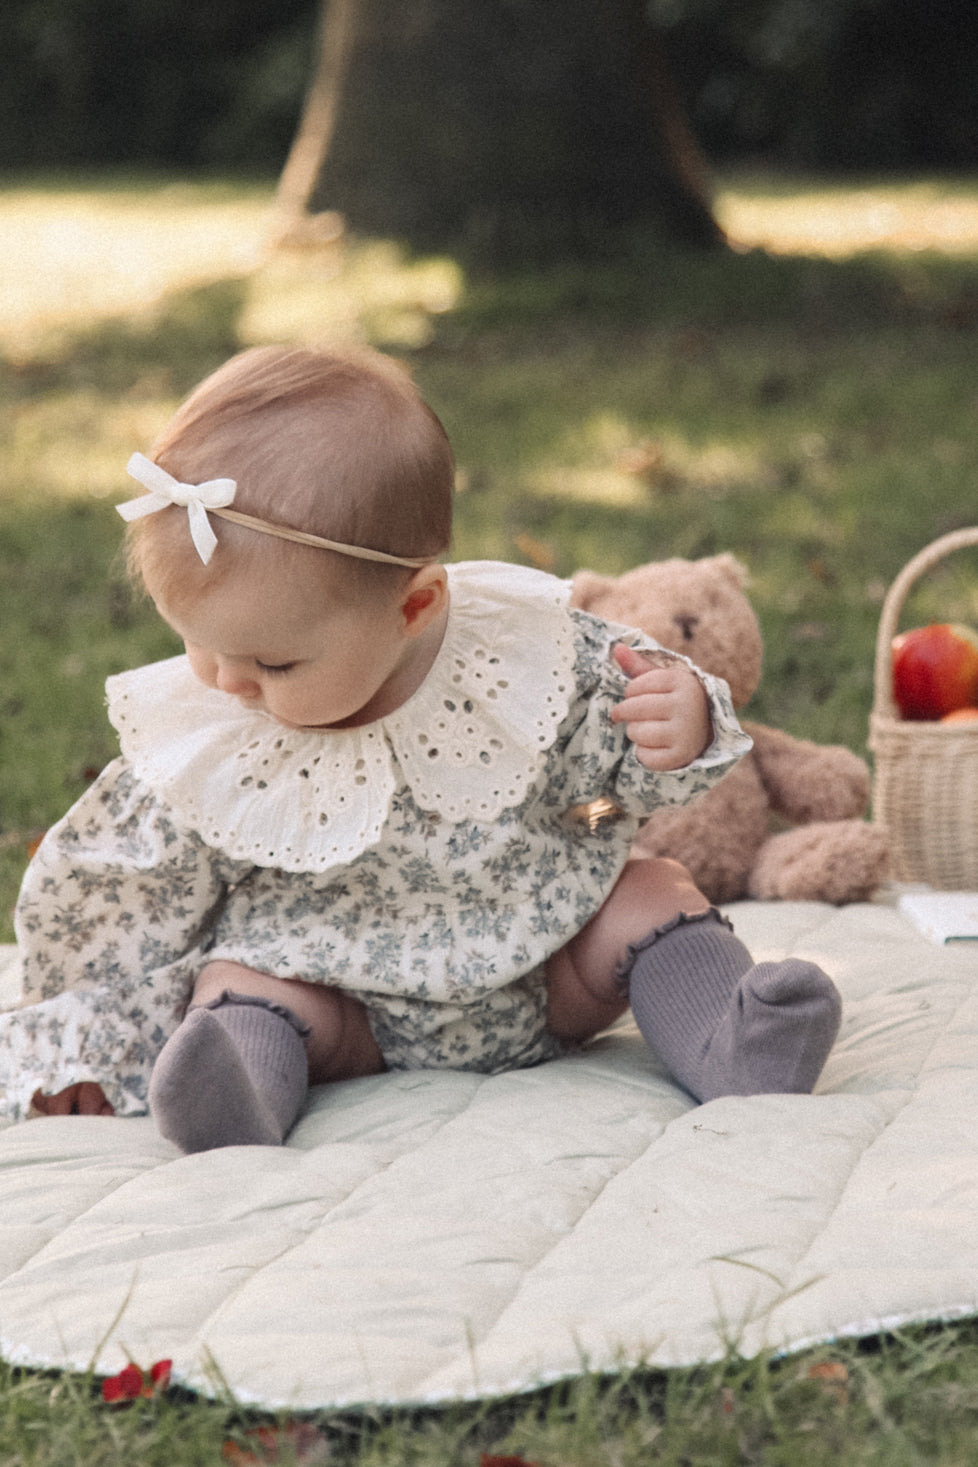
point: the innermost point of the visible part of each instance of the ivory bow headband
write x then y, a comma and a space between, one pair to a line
213, 497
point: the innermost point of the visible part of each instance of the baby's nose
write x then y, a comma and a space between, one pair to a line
237, 681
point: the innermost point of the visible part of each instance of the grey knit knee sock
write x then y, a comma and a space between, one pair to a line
235, 1073
723, 1025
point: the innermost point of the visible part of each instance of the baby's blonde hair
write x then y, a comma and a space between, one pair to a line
335, 443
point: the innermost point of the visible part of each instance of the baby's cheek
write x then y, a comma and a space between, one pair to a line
202, 667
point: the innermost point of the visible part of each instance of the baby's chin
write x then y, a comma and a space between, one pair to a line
352, 722
357, 719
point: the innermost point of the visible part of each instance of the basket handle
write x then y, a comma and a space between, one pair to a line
892, 606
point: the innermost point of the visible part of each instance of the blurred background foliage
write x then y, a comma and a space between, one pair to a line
802, 84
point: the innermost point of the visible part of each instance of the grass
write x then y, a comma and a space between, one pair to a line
894, 1401
813, 415
806, 402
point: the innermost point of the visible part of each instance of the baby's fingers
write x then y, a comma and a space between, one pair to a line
83, 1099
633, 663
657, 741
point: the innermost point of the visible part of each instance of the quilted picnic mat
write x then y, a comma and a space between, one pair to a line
427, 1237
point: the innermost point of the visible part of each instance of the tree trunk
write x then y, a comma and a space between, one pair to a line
500, 129
681, 153
310, 145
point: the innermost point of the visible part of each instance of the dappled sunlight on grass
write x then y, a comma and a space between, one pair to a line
595, 485
74, 255
349, 290
847, 219
590, 464
101, 433
607, 459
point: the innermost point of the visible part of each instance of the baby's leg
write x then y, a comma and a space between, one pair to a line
722, 1024
236, 1071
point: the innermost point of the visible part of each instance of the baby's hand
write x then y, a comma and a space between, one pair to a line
84, 1099
665, 709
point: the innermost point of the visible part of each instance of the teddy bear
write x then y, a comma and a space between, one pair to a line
733, 839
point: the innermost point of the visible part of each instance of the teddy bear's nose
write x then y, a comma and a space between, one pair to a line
687, 625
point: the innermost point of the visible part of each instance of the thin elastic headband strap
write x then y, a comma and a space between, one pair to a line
285, 532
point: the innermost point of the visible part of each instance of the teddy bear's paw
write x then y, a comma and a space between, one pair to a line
835, 861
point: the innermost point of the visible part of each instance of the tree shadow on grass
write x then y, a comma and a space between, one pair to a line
648, 283
186, 335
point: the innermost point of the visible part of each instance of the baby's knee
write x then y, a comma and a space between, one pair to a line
652, 891
340, 1045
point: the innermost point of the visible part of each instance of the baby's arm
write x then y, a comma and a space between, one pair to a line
665, 710
112, 925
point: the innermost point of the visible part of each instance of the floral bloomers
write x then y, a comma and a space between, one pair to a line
428, 863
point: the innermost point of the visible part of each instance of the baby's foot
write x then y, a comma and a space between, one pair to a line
776, 1034
234, 1074
723, 1025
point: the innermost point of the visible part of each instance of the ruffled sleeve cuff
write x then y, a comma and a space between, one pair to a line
637, 790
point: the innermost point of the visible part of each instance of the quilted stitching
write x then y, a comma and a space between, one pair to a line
429, 1236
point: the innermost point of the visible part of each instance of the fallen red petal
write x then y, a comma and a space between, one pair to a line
131, 1381
305, 1442
266, 1441
833, 1378
488, 1460
159, 1374
828, 1370
125, 1386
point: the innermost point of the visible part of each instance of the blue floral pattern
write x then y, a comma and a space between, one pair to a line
441, 925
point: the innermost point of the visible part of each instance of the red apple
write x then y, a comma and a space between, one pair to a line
935, 670
961, 715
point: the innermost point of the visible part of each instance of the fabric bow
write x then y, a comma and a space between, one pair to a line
164, 490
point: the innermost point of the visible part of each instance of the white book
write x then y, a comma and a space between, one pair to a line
943, 916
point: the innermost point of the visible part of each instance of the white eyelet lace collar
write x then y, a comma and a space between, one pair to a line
468, 743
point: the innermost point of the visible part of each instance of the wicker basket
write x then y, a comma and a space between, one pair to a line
925, 788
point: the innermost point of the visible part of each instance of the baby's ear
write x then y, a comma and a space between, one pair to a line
425, 598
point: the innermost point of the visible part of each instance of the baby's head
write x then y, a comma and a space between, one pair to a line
335, 444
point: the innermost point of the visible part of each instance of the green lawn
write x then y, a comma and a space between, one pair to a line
809, 406
907, 1401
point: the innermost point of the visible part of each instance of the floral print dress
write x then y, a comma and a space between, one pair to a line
428, 862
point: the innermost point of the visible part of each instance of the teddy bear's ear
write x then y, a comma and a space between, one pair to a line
729, 566
586, 588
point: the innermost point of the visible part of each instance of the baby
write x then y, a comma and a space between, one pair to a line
344, 832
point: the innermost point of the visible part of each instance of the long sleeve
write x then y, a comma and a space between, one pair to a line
113, 923
601, 761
